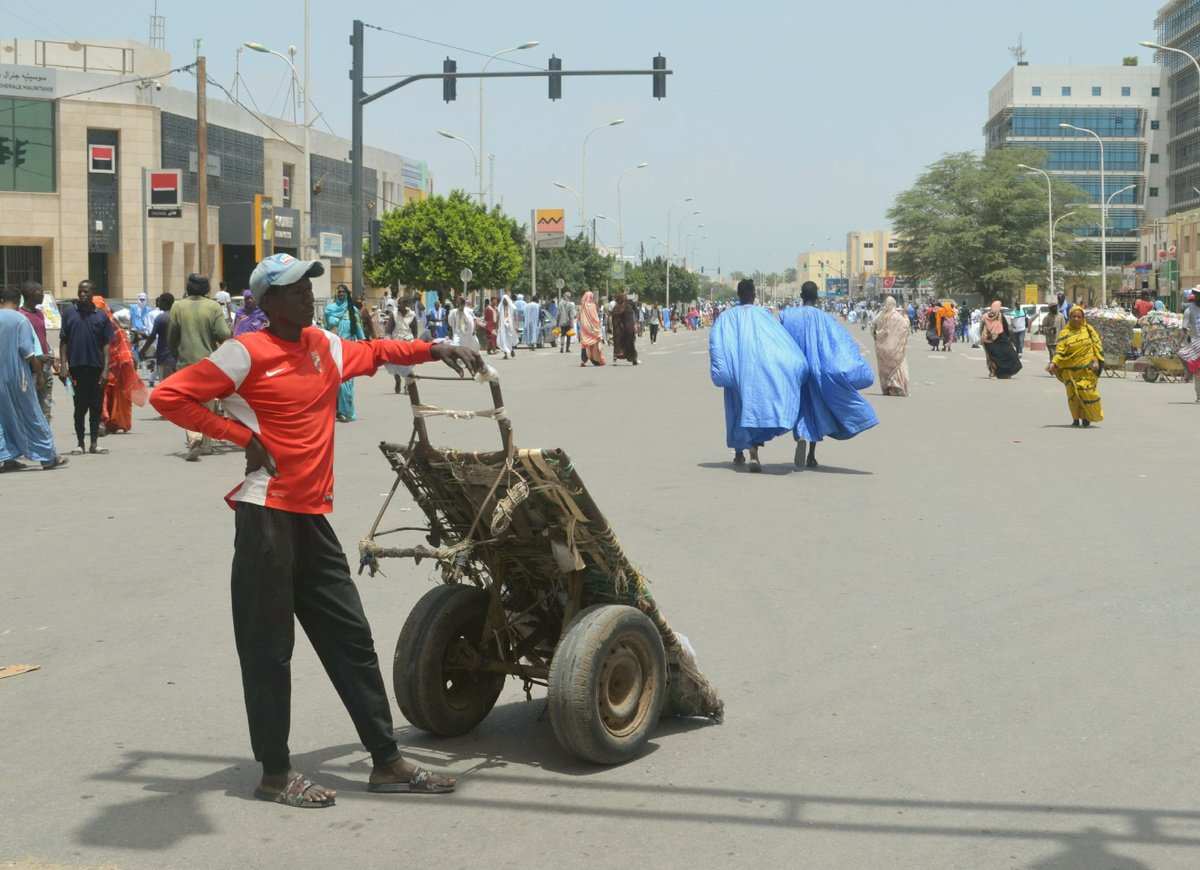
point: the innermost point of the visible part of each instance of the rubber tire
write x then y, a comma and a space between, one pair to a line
441, 617
576, 672
1150, 375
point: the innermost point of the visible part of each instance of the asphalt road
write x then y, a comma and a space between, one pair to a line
964, 641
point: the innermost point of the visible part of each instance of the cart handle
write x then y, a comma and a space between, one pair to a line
488, 376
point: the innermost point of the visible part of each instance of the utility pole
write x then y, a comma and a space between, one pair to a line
356, 159
202, 163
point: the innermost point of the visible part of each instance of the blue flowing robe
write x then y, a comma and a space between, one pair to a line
337, 319
829, 402
761, 371
533, 324
24, 427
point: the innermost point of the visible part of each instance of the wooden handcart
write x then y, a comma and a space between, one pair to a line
535, 586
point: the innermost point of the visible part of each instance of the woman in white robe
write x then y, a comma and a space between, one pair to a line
462, 321
506, 331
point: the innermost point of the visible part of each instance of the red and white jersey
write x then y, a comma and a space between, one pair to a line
285, 393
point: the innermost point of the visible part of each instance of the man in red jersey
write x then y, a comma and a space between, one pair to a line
279, 391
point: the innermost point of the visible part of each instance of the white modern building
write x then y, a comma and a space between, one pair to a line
1125, 106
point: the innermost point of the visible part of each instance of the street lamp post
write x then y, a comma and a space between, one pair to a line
583, 175
620, 220
1103, 215
667, 243
1053, 230
611, 221
679, 233
521, 47
1050, 219
302, 95
474, 156
574, 193
1107, 203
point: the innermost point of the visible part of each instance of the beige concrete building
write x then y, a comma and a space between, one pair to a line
81, 122
867, 253
826, 268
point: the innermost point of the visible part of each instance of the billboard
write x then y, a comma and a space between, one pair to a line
550, 228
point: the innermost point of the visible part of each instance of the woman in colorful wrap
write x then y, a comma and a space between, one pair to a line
946, 325
996, 338
125, 388
342, 318
891, 331
1078, 359
591, 338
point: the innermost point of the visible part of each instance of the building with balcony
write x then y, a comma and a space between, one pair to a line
1126, 106
81, 122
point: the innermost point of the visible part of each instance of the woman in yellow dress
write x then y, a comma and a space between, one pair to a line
1078, 359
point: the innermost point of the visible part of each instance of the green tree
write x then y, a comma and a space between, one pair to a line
975, 224
425, 245
578, 264
789, 275
649, 282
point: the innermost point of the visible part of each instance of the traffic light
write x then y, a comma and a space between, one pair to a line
5, 151
806, 267
555, 81
449, 86
19, 146
701, 270
660, 79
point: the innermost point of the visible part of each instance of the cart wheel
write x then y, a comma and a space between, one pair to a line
1150, 375
436, 685
608, 679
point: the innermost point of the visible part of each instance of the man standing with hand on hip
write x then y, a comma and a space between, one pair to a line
279, 387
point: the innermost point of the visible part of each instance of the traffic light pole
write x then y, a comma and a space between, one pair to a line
359, 99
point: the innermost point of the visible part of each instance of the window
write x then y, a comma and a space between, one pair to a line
1125, 92
893, 245
1153, 158
1154, 125
1066, 91
868, 244
26, 145
1037, 91
1095, 92
1154, 191
868, 262
289, 170
1111, 123
1154, 92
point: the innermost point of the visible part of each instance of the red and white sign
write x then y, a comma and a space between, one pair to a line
166, 193
1171, 250
889, 283
102, 158
1162, 255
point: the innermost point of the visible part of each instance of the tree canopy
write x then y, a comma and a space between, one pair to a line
649, 281
977, 224
425, 245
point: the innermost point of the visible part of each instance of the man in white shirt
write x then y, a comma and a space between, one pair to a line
223, 299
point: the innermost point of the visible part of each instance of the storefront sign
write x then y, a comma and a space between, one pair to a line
27, 81
287, 228
166, 193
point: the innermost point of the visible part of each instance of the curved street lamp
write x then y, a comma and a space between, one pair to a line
620, 220
1103, 215
1050, 218
570, 190
521, 47
474, 157
583, 176
667, 244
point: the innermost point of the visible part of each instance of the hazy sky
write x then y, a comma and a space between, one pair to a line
787, 121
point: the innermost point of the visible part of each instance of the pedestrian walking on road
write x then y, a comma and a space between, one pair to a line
164, 363
891, 331
84, 346
1019, 325
761, 371
507, 336
281, 387
624, 331
125, 388
996, 338
1078, 360
342, 319
249, 318
32, 296
462, 321
490, 323
591, 336
566, 323
196, 328
23, 427
946, 323
655, 321
1052, 324
829, 401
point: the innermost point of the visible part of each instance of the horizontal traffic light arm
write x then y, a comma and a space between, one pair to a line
370, 98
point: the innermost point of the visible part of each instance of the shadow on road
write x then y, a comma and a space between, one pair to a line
171, 813
780, 469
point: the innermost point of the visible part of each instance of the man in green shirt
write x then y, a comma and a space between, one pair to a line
197, 328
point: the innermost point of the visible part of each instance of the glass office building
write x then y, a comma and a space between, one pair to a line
1122, 105
1178, 26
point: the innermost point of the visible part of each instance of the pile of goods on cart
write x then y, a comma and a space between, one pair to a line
1115, 327
1161, 333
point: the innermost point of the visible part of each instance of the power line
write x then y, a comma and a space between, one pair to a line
243, 106
443, 45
